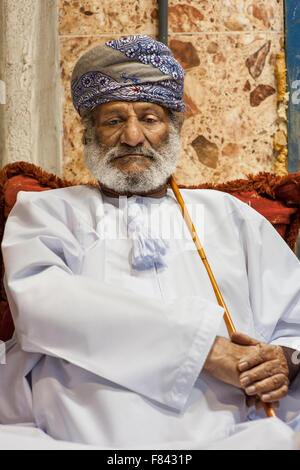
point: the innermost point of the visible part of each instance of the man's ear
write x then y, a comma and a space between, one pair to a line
88, 123
177, 118
94, 114
181, 119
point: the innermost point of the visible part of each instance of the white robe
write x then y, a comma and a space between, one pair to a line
111, 357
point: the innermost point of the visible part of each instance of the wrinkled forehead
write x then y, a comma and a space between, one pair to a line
124, 107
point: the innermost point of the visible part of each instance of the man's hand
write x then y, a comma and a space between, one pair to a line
223, 359
263, 371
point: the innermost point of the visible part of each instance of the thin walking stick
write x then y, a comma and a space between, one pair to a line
227, 318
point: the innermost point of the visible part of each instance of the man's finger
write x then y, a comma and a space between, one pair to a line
275, 395
243, 340
261, 372
256, 401
259, 354
249, 362
264, 387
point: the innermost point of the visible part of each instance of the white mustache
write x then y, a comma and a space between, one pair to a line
114, 154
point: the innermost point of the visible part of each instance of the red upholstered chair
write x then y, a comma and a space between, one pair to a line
276, 198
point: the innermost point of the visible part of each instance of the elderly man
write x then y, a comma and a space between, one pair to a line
120, 342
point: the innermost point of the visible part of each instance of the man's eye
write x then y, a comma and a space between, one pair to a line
150, 120
113, 122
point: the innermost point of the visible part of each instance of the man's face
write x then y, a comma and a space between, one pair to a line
133, 147
132, 128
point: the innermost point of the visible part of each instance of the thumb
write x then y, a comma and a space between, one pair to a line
244, 340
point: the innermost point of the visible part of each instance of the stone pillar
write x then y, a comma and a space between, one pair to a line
2, 83
32, 114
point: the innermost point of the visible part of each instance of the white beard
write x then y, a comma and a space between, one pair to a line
99, 157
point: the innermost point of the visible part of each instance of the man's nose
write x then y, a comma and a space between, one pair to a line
132, 133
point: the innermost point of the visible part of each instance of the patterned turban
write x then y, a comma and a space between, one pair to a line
136, 68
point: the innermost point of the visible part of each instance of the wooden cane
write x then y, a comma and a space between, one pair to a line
227, 318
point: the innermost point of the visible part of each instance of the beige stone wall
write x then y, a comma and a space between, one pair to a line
3, 127
228, 49
31, 117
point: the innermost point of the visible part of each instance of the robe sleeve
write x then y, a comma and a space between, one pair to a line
274, 294
154, 348
274, 281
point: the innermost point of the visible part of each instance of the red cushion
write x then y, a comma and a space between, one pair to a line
16, 184
6, 325
274, 211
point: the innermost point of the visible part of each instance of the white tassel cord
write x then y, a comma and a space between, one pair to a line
148, 248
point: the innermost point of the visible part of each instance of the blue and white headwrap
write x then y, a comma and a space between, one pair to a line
136, 68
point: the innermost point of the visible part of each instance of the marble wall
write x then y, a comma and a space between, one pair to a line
228, 50
30, 121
